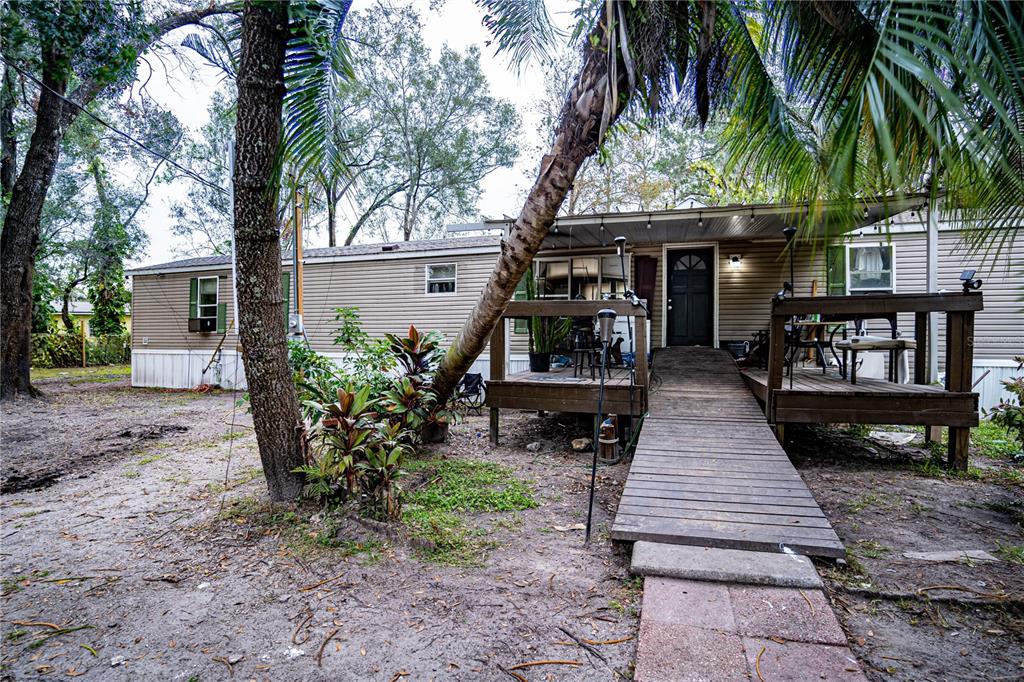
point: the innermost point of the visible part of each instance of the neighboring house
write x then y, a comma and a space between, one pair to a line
708, 274
81, 311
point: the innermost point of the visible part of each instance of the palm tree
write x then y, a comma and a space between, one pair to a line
834, 99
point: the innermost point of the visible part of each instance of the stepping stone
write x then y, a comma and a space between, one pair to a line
723, 565
962, 555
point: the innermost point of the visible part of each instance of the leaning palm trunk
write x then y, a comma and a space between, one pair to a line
583, 121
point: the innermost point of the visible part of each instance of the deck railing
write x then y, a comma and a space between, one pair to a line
959, 310
549, 308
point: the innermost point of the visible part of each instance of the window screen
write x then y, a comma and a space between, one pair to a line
870, 268
207, 297
441, 278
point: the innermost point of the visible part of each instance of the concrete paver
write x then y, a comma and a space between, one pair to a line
687, 602
697, 630
723, 565
682, 653
800, 662
789, 613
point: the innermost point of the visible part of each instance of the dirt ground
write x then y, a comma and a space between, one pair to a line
126, 557
885, 501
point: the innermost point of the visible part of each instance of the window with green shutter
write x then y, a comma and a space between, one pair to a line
222, 318
835, 269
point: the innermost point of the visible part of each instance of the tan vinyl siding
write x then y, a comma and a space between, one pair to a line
160, 311
390, 295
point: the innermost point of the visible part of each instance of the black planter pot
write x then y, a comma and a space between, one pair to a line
540, 362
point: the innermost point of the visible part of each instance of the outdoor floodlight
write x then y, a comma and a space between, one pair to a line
970, 283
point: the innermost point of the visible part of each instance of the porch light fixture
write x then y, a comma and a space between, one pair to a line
735, 261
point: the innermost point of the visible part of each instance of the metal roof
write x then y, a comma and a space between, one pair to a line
707, 223
392, 249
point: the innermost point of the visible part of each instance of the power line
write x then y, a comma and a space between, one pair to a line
187, 171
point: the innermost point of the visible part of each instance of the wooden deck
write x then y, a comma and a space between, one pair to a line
708, 470
829, 399
560, 391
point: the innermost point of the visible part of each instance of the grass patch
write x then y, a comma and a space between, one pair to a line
879, 500
149, 459
871, 549
100, 374
1012, 553
1004, 473
298, 533
994, 441
130, 473
437, 512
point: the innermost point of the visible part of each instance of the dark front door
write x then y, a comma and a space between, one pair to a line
690, 304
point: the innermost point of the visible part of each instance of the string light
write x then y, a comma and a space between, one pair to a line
648, 221
700, 219
751, 221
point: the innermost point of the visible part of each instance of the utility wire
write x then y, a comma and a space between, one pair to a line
187, 171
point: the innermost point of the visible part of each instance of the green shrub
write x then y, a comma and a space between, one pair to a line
65, 350
1010, 413
366, 416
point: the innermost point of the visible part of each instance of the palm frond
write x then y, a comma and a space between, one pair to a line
522, 29
317, 66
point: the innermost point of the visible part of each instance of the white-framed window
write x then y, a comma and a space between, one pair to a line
589, 278
207, 299
441, 278
869, 268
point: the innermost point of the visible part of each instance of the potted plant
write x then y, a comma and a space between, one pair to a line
545, 333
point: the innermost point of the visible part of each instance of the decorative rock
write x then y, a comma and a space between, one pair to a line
892, 437
581, 444
533, 447
117, 660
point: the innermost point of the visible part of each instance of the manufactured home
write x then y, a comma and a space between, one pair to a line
708, 276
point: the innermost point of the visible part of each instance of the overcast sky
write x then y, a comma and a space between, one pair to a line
457, 24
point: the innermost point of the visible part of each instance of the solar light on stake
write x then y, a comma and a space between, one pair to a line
606, 323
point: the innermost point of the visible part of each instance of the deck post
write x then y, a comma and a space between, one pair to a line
497, 355
959, 367
640, 355
921, 374
776, 360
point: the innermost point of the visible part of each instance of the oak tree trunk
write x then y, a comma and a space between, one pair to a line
20, 235
261, 323
576, 138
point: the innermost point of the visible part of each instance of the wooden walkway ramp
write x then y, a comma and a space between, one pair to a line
708, 470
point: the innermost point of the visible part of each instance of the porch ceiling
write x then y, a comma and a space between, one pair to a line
714, 223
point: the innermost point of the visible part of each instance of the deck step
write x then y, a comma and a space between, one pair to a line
723, 565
